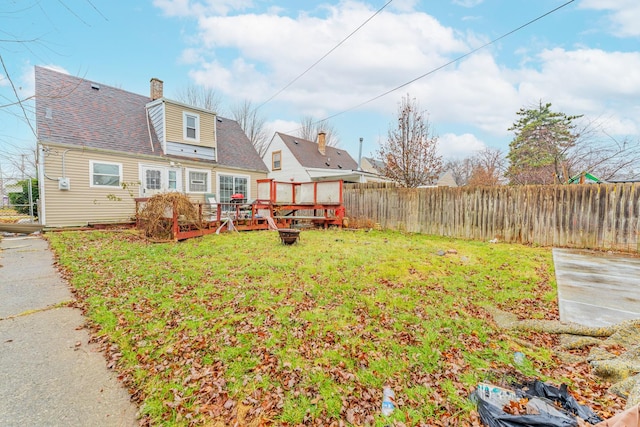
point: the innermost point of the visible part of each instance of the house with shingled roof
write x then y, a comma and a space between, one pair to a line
293, 159
101, 147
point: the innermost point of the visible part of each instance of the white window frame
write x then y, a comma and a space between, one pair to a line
188, 183
92, 163
164, 177
273, 160
234, 175
196, 116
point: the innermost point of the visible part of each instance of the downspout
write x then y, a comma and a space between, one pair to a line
41, 176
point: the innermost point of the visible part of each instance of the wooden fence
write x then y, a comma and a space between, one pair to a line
592, 216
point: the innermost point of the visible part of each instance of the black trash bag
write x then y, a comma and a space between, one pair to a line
560, 395
494, 416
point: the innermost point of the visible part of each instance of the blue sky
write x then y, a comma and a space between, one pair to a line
584, 59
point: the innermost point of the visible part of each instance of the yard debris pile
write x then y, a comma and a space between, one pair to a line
614, 351
534, 403
156, 216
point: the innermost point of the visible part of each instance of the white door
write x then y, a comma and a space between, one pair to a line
158, 179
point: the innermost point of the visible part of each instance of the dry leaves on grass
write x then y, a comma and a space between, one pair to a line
220, 350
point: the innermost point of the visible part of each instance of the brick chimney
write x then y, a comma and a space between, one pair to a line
156, 88
322, 142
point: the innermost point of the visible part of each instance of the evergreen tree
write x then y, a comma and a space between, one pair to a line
539, 150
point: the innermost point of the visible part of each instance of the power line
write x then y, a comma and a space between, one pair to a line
97, 10
450, 62
324, 56
15, 92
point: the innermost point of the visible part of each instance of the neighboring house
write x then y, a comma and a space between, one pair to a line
293, 159
372, 165
99, 147
446, 180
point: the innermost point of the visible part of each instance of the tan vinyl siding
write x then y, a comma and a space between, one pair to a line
83, 204
174, 125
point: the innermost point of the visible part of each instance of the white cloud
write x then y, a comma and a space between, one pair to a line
624, 15
390, 50
467, 3
404, 5
584, 81
451, 146
184, 8
287, 127
190, 56
396, 47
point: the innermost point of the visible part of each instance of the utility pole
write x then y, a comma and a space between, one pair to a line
2, 187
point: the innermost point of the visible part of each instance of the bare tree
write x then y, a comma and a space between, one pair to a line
483, 168
461, 170
253, 125
199, 96
602, 155
410, 153
487, 169
310, 128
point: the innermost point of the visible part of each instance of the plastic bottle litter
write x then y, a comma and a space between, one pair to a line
388, 401
519, 357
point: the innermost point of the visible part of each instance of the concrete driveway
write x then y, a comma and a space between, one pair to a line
596, 288
51, 375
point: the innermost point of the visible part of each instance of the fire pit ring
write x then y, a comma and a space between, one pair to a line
289, 236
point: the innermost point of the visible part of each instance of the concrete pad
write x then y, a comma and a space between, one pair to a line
28, 279
49, 373
597, 289
51, 376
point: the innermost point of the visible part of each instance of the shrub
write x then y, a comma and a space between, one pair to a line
20, 201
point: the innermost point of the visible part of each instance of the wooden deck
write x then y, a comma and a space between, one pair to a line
595, 288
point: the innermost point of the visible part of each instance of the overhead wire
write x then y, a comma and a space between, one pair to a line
471, 52
324, 56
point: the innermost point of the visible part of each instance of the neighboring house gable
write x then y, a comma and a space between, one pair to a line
100, 147
291, 158
446, 180
372, 165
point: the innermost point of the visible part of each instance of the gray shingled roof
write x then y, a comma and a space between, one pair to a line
76, 111
234, 148
306, 152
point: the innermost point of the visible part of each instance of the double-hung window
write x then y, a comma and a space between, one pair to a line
276, 160
191, 126
198, 181
105, 174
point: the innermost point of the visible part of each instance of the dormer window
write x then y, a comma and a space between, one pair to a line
191, 126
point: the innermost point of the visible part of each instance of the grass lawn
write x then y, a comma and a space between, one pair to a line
240, 328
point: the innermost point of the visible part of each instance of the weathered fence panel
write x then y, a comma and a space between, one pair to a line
591, 216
